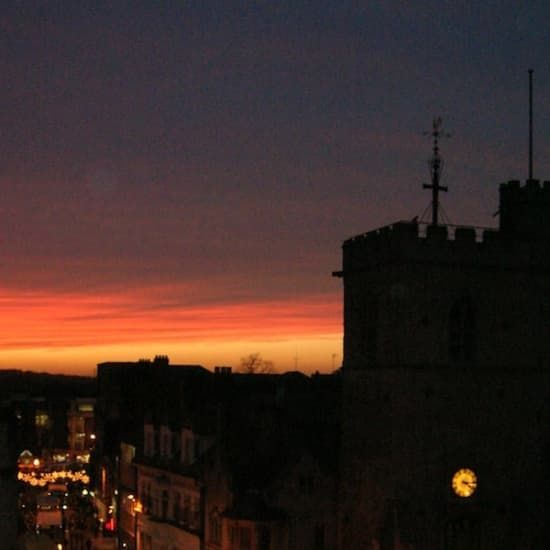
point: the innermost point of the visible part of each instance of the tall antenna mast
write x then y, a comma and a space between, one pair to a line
530, 124
436, 167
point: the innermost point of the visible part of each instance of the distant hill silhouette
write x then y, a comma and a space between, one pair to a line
43, 384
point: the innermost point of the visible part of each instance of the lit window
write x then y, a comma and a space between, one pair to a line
41, 419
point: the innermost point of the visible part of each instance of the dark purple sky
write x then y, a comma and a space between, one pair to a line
233, 146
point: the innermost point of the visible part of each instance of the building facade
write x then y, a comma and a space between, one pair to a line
446, 382
223, 461
81, 428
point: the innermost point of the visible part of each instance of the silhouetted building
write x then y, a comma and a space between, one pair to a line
223, 460
271, 479
40, 404
126, 391
81, 428
446, 382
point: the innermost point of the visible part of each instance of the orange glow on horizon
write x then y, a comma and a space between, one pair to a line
71, 333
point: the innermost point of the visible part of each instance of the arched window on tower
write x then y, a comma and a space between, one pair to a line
368, 324
462, 330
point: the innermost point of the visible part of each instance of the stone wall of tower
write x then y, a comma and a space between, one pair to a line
446, 366
405, 433
400, 289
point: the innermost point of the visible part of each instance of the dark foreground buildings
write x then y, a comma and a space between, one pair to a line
446, 382
433, 435
191, 459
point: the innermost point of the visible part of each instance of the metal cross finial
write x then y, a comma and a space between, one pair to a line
436, 167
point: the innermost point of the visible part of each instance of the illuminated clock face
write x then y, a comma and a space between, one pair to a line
464, 482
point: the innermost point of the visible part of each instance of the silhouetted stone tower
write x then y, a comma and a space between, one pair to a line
446, 378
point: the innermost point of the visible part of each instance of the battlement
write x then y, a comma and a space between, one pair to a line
520, 242
407, 230
532, 187
424, 230
459, 246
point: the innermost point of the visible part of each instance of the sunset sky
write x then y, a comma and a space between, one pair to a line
177, 177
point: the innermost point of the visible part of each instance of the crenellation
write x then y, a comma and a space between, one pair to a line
437, 233
524, 228
451, 245
465, 235
407, 232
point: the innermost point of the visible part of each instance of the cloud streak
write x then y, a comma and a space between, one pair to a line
71, 320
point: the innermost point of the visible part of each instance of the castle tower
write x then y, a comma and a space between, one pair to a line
447, 382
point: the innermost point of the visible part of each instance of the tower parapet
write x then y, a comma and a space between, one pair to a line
460, 246
520, 241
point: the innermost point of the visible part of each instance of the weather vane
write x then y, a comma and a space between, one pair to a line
436, 167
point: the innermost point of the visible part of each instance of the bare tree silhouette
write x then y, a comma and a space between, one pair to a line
255, 364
